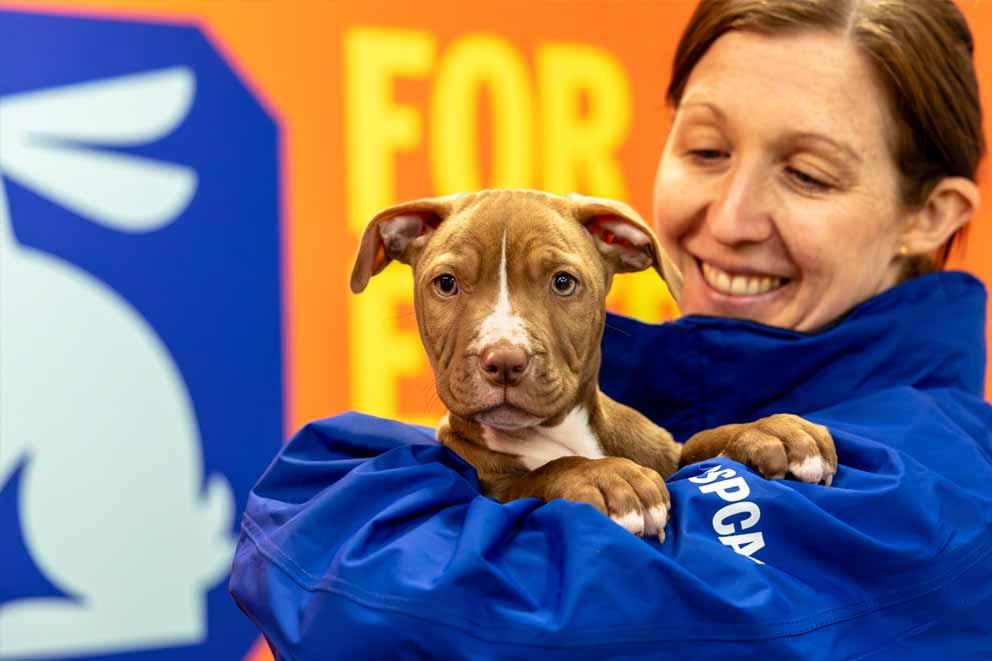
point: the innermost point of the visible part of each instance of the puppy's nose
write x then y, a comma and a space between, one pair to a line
504, 364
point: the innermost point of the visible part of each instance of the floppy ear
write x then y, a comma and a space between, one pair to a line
399, 232
622, 237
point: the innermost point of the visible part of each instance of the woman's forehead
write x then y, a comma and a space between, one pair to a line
808, 83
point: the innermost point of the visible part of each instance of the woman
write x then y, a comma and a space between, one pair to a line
821, 161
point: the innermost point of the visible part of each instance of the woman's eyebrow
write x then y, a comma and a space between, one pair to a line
704, 105
843, 148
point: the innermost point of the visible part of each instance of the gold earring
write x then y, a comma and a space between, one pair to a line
903, 251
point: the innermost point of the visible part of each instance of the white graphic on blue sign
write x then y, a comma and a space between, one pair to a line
140, 367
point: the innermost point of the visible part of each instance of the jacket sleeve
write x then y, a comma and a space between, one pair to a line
366, 539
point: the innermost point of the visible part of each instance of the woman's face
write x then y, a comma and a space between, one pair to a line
777, 194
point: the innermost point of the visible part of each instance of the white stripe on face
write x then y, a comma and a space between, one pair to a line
501, 324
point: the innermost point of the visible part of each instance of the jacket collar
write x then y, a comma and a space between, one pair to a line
699, 372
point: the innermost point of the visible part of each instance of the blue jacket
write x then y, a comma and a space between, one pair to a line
366, 539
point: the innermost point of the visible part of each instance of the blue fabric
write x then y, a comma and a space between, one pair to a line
366, 539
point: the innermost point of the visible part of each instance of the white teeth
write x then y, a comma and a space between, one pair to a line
739, 285
723, 280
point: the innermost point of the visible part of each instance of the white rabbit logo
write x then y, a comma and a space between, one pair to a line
113, 503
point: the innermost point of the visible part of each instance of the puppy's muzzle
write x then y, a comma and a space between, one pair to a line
504, 364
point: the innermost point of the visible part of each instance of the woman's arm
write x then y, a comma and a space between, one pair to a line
366, 539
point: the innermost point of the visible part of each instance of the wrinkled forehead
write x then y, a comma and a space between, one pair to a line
529, 223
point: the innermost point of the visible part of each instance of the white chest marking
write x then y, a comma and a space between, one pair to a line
501, 323
539, 445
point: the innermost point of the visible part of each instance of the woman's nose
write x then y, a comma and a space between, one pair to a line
741, 211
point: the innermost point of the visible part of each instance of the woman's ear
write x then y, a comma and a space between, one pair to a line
950, 205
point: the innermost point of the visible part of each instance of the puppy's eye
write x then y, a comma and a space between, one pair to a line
563, 284
446, 285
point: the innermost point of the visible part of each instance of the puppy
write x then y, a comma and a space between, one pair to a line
510, 291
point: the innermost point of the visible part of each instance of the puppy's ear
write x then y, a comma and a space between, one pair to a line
623, 238
399, 232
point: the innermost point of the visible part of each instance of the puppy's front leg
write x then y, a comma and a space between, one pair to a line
633, 496
776, 446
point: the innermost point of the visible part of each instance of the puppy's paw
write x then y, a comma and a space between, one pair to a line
633, 496
784, 445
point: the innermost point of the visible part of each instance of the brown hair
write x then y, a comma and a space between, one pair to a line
922, 55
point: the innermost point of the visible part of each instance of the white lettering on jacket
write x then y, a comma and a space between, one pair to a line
739, 515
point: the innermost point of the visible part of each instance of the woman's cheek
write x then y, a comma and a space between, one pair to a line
676, 195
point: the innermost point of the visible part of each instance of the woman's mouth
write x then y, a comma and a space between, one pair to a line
730, 284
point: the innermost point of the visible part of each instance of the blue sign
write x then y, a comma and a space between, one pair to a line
140, 337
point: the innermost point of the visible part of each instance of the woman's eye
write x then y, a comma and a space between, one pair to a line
707, 155
563, 284
808, 182
446, 285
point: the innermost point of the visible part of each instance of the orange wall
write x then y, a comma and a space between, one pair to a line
382, 101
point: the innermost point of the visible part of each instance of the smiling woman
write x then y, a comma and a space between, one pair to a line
821, 153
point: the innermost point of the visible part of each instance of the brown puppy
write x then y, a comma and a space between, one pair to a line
510, 290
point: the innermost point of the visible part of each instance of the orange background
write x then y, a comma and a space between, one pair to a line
292, 55
295, 57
